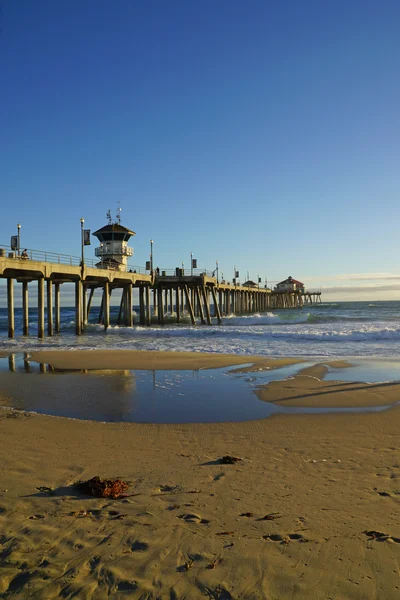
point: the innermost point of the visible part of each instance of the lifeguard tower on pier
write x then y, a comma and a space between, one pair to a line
113, 250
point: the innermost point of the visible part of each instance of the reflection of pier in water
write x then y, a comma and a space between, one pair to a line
110, 392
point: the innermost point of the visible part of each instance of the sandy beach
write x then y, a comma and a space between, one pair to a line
309, 512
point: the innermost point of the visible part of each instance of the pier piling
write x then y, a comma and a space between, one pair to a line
25, 309
10, 306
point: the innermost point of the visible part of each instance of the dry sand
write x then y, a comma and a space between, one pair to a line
195, 528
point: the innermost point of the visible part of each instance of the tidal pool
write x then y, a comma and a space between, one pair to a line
141, 396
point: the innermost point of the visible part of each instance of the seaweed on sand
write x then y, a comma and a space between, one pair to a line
103, 488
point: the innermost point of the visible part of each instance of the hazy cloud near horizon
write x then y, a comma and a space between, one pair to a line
350, 289
353, 277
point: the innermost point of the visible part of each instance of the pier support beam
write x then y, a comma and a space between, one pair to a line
106, 306
89, 304
49, 307
189, 305
178, 305
84, 305
122, 307
217, 312
128, 306
101, 309
154, 302
200, 306
142, 315
57, 307
206, 305
41, 308
78, 307
10, 307
25, 309
160, 306
148, 308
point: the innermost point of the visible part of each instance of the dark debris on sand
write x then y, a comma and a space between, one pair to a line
229, 460
103, 488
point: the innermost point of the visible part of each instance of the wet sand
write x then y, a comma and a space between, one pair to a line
308, 388
293, 519
141, 359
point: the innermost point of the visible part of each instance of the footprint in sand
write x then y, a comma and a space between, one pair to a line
193, 518
381, 537
169, 488
285, 539
139, 546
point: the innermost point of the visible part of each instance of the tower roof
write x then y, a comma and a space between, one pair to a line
114, 228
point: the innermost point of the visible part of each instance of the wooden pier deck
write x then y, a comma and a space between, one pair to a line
196, 295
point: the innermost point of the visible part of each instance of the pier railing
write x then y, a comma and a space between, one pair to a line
58, 258
75, 261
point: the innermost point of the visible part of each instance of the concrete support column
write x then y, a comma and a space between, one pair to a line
41, 308
148, 311
200, 306
206, 304
217, 312
84, 305
128, 306
10, 307
89, 304
155, 302
178, 305
121, 307
142, 316
166, 301
49, 307
101, 309
106, 308
193, 301
160, 306
57, 307
25, 309
189, 305
78, 307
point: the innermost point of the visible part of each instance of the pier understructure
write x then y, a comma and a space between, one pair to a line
198, 297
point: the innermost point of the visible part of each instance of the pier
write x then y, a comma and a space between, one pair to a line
196, 293
200, 296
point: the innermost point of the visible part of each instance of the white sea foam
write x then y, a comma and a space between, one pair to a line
346, 329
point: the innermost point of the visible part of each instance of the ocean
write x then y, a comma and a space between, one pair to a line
330, 329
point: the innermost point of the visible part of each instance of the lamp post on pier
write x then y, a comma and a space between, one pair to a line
19, 238
216, 268
151, 255
191, 264
82, 243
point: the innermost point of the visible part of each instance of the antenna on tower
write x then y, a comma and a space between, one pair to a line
108, 215
119, 209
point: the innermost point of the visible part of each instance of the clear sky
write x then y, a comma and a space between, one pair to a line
261, 134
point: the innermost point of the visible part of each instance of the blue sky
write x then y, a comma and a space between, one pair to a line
260, 134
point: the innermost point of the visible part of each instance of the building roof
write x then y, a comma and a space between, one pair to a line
249, 283
114, 228
291, 280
